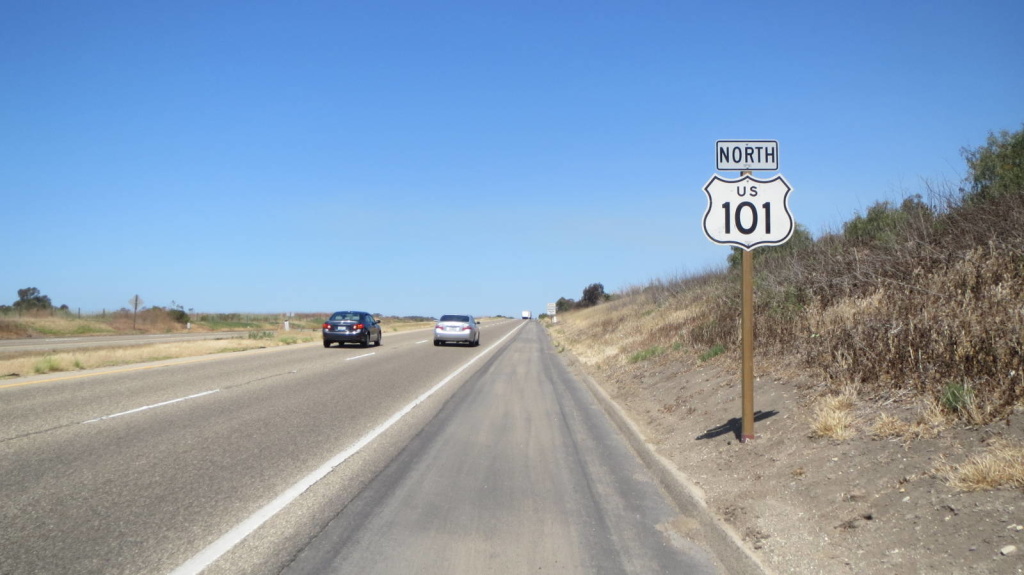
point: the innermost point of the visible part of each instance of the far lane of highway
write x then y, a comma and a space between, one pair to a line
53, 344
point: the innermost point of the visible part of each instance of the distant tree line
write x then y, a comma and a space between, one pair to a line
593, 294
30, 299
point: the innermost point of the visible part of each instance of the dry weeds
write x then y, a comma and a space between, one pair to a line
933, 307
833, 415
21, 327
930, 422
1000, 465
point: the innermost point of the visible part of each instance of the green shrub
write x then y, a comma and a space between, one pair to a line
47, 365
889, 226
178, 315
646, 354
957, 398
996, 169
715, 351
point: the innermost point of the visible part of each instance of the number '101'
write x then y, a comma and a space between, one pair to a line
731, 216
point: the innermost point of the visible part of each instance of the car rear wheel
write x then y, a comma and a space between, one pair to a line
366, 340
377, 343
437, 343
327, 343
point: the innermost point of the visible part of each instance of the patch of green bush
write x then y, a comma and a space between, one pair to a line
646, 354
715, 351
48, 364
957, 398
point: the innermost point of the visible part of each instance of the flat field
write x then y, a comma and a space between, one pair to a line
251, 332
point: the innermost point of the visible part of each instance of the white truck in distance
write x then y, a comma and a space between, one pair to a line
527, 314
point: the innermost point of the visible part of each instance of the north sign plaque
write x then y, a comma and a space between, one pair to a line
748, 212
747, 155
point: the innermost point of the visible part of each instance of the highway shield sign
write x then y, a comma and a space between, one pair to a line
748, 212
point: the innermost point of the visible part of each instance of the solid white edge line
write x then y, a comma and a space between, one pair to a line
155, 405
215, 550
359, 356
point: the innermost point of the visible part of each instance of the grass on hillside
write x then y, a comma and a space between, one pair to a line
931, 317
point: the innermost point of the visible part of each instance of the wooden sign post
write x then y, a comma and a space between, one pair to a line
748, 213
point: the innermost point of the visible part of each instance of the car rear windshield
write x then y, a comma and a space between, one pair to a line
345, 316
460, 318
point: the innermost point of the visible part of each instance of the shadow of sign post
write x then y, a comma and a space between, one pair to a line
735, 426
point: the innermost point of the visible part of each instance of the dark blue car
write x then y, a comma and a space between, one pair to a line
351, 327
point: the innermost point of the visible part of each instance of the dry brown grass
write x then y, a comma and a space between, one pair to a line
833, 415
20, 327
930, 421
12, 330
958, 322
889, 427
665, 315
95, 358
1000, 465
392, 326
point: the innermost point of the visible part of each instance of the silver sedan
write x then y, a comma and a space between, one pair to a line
457, 328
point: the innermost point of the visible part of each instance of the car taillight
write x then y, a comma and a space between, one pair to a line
358, 326
327, 325
465, 328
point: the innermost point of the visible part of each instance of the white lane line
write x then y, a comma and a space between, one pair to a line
215, 550
359, 356
155, 405
424, 341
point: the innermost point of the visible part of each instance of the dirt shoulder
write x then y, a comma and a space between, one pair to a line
807, 505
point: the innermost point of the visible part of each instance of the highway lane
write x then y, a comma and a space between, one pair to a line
520, 472
88, 485
174, 465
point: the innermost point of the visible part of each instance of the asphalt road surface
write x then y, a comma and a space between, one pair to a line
405, 458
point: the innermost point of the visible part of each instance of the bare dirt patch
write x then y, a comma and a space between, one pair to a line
806, 504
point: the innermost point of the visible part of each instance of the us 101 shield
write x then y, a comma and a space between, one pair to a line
748, 212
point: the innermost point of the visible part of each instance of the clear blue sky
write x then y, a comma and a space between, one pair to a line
421, 158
